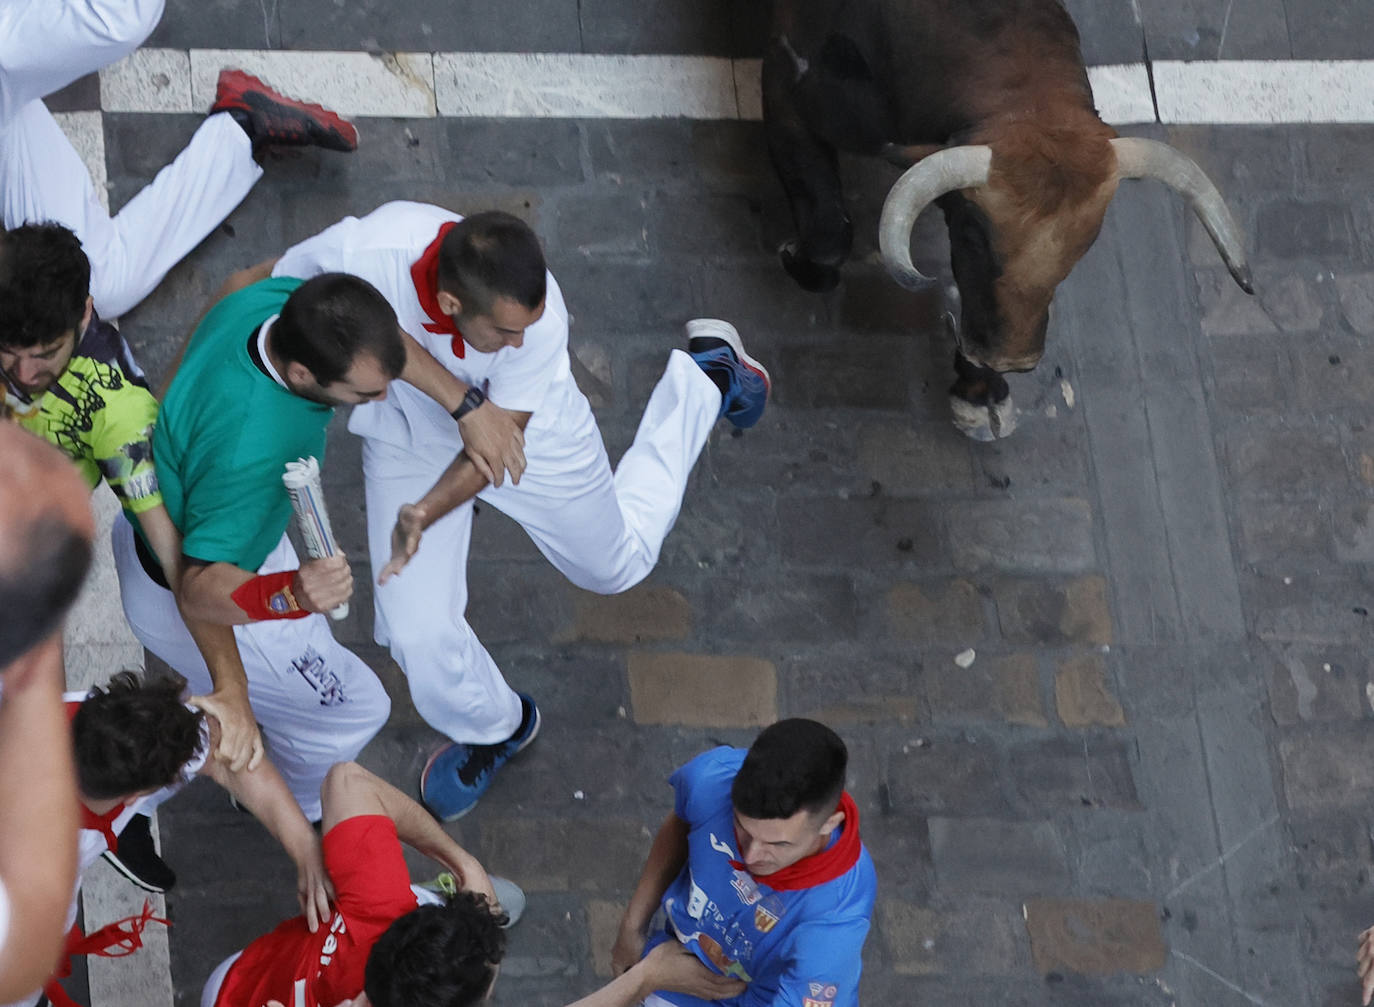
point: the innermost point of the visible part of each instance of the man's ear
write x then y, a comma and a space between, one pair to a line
832, 823
298, 375
86, 317
449, 304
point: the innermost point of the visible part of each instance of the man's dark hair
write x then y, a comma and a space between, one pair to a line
40, 576
491, 255
330, 319
135, 734
45, 279
794, 765
437, 956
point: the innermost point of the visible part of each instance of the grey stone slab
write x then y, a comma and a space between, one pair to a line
659, 26
1293, 229
800, 608
82, 94
220, 24
538, 153
876, 374
602, 223
1284, 461
878, 532
1330, 29
1110, 32
606, 296
1074, 772
988, 855
1326, 769
1214, 29
430, 26
946, 776
1025, 534
718, 227
839, 686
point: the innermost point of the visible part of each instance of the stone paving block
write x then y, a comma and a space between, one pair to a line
1045, 454
947, 611
1110, 32
645, 612
900, 848
604, 861
801, 608
1033, 535
874, 375
432, 25
603, 223
760, 296
666, 26
784, 451
1083, 695
871, 303
603, 925
877, 532
187, 23
1228, 310
1333, 850
510, 602
719, 227
1328, 769
538, 154
1271, 460
698, 690
1290, 229
915, 458
1002, 857
1330, 29
1357, 301
845, 688
1108, 855
1204, 29
1335, 374
1310, 608
1054, 612
1082, 771
949, 776
725, 532
1095, 936
81, 95
982, 938
998, 688
607, 297
1251, 373
1282, 539
1313, 684
582, 774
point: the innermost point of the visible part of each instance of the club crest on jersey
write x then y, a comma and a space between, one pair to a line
279, 603
812, 1002
765, 920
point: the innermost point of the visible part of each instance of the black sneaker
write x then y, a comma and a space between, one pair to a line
137, 858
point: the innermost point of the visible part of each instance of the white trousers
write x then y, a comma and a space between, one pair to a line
317, 702
47, 44
602, 531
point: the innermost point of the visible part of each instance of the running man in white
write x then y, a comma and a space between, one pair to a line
47, 44
476, 295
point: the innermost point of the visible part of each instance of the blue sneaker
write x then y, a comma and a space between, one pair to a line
716, 347
457, 775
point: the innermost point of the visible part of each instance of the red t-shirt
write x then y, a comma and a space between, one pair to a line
363, 857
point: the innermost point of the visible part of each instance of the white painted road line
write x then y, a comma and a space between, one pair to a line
1245, 91
589, 86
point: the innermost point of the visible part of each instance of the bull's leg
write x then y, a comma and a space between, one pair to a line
981, 401
810, 175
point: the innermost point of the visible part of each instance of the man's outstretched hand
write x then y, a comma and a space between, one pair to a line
405, 540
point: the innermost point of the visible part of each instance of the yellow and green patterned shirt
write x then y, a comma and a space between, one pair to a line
101, 414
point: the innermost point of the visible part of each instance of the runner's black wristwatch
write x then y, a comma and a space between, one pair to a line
474, 398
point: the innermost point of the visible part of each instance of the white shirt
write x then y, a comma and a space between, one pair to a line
381, 247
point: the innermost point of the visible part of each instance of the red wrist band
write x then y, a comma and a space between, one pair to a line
269, 596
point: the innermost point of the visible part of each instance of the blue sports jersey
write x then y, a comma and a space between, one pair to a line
798, 948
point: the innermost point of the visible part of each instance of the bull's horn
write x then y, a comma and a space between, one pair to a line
920, 185
1140, 158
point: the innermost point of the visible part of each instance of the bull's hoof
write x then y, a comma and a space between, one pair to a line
985, 423
809, 275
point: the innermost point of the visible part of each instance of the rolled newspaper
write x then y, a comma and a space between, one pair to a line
302, 480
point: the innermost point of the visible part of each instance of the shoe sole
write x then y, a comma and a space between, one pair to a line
429, 763
731, 338
242, 83
129, 875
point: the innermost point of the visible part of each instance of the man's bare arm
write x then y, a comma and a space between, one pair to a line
664, 862
670, 967
458, 483
350, 790
263, 792
38, 819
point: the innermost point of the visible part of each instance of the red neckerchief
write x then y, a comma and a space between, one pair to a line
827, 865
424, 273
114, 940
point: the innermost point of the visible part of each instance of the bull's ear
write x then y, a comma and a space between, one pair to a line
1137, 157
944, 171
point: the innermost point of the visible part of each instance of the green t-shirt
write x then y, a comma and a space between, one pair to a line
101, 414
227, 431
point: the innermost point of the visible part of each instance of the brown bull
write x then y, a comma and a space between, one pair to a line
988, 106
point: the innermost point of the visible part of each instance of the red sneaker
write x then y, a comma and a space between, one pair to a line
269, 117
